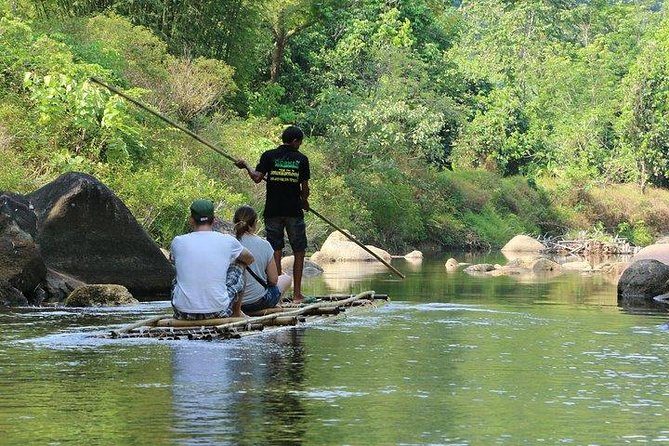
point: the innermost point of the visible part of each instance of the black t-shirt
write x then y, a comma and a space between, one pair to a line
286, 168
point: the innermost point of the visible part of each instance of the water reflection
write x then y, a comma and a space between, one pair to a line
225, 392
414, 264
453, 359
344, 276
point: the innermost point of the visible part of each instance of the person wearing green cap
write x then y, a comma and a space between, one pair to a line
210, 269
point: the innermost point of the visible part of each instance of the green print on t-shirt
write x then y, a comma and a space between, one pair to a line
286, 164
286, 171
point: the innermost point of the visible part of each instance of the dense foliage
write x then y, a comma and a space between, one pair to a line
428, 123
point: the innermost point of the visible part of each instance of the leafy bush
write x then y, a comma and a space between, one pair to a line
636, 233
159, 196
493, 229
266, 102
143, 54
13, 174
394, 209
16, 41
198, 85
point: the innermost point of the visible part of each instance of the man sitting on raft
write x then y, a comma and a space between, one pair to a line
210, 269
265, 289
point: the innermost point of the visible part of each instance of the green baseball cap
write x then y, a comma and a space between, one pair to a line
202, 210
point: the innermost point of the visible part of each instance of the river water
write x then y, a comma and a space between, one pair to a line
452, 359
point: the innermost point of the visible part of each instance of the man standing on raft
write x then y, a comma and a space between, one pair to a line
287, 173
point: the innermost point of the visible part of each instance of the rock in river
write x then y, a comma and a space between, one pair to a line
21, 264
658, 251
338, 248
643, 280
523, 243
86, 232
100, 295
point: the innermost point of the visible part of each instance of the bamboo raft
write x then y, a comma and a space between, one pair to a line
167, 328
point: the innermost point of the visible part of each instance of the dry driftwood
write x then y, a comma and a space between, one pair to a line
586, 246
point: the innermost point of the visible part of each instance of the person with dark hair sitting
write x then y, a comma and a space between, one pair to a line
210, 269
263, 285
287, 172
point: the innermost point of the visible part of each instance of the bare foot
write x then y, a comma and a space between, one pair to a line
298, 298
239, 314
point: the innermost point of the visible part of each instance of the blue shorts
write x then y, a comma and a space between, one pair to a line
269, 300
294, 227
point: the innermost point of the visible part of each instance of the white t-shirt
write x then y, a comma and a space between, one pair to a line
202, 259
262, 253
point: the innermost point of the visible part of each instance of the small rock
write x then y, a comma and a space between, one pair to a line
523, 243
451, 265
480, 268
414, 255
576, 266
311, 269
545, 265
100, 296
644, 279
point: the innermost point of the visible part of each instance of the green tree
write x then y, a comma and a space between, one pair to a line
643, 123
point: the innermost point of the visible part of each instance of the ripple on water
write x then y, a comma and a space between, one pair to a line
328, 395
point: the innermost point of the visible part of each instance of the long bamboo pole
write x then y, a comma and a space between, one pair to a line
221, 152
354, 240
163, 117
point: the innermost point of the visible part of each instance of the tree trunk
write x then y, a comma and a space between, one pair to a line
643, 181
280, 37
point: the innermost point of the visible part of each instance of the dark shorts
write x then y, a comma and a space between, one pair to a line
269, 300
294, 227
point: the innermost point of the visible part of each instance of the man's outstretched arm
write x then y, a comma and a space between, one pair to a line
256, 176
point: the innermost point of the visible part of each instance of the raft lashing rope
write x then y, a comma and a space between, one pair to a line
167, 328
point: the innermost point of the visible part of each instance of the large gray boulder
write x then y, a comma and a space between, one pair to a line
10, 296
642, 281
21, 264
523, 243
658, 251
86, 232
310, 269
338, 248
